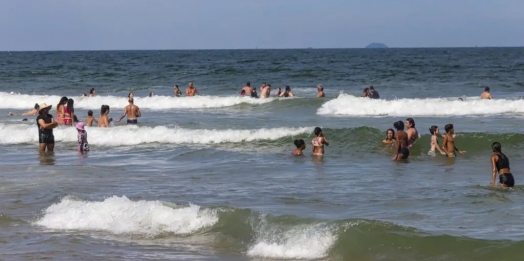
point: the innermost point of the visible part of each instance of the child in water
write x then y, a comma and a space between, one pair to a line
301, 145
434, 141
82, 138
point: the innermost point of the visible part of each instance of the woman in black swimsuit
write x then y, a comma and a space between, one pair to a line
402, 141
500, 163
45, 124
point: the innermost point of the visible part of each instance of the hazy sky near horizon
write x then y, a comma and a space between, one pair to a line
231, 24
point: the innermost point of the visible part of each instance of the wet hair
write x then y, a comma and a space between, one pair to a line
63, 100
151, 94
391, 131
299, 143
104, 109
248, 84
366, 89
70, 105
89, 113
92, 90
448, 127
411, 121
129, 95
176, 86
432, 129
288, 89
399, 125
371, 88
37, 106
131, 100
242, 92
317, 131
268, 85
486, 89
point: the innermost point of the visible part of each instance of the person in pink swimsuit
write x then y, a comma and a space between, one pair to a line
60, 110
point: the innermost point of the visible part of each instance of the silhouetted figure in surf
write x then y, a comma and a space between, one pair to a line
372, 93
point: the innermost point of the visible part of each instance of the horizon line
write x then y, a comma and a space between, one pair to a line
249, 49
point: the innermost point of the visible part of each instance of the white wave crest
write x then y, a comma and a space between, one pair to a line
301, 242
119, 215
26, 102
134, 135
356, 106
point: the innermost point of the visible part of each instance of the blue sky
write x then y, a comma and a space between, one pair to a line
246, 24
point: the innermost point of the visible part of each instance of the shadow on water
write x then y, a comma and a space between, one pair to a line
47, 158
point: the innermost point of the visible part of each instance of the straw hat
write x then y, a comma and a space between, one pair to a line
42, 106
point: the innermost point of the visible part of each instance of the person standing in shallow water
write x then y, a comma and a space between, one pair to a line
448, 144
45, 124
132, 111
320, 91
402, 142
500, 164
411, 131
318, 142
486, 94
191, 90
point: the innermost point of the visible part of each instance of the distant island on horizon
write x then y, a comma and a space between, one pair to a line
376, 45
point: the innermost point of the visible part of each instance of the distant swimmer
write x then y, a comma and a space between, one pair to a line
242, 93
287, 92
449, 142
130, 95
434, 141
176, 91
390, 137
264, 93
132, 111
83, 145
191, 90
254, 93
402, 141
262, 87
92, 92
365, 93
60, 110
89, 120
460, 99
247, 89
500, 163
372, 93
151, 94
84, 94
320, 91
45, 124
318, 142
411, 131
301, 146
486, 94
104, 120
32, 112
278, 92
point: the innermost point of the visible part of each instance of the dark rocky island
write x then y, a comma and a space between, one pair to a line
376, 45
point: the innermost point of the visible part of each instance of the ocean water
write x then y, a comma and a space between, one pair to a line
212, 178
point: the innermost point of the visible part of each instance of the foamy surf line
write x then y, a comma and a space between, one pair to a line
348, 105
133, 135
26, 102
119, 215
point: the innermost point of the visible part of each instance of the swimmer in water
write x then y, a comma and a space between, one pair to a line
191, 90
320, 91
32, 112
176, 91
130, 95
132, 111
287, 92
151, 94
434, 141
92, 92
449, 142
89, 120
318, 142
402, 142
242, 93
365, 93
104, 120
264, 93
301, 146
486, 94
390, 137
411, 131
279, 91
500, 163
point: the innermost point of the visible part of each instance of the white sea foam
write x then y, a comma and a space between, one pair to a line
26, 102
133, 135
349, 105
119, 215
300, 242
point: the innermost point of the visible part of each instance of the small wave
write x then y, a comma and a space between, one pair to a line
119, 215
134, 135
25, 101
348, 105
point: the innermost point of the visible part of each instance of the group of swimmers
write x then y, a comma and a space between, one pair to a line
265, 91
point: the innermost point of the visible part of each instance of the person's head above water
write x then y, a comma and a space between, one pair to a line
448, 128
299, 143
130, 95
410, 123
390, 134
460, 99
104, 109
372, 88
486, 89
399, 125
432, 129
366, 89
92, 91
63, 101
36, 106
496, 147
248, 84
70, 105
288, 89
90, 113
317, 131
151, 94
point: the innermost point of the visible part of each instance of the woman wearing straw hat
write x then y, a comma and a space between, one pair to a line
45, 124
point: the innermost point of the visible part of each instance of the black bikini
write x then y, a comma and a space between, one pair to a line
506, 178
